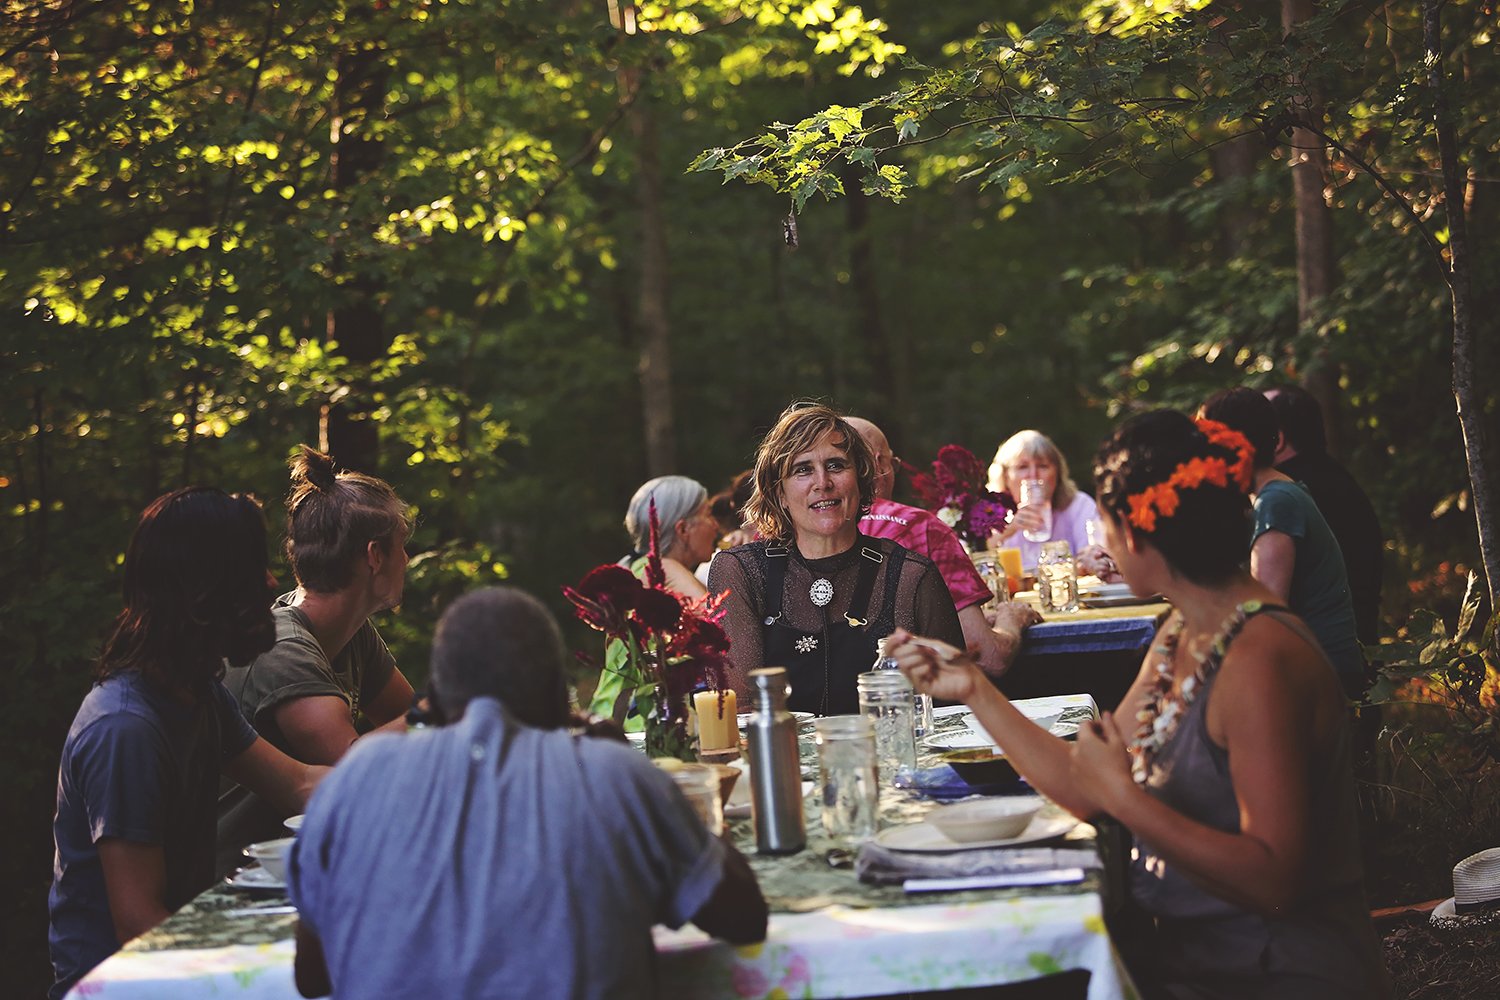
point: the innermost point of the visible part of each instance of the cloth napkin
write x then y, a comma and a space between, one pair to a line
881, 866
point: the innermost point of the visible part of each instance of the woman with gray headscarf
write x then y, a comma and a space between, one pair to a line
687, 532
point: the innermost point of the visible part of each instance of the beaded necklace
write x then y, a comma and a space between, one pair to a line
1165, 707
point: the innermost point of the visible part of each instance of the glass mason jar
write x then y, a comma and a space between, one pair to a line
699, 784
848, 778
886, 699
1057, 577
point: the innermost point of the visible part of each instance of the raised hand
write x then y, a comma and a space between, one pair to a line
1100, 766
934, 667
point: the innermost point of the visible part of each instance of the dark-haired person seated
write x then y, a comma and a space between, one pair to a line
329, 673
501, 855
1292, 549
1303, 456
1229, 758
136, 788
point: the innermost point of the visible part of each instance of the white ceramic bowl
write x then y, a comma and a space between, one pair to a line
272, 856
997, 818
294, 823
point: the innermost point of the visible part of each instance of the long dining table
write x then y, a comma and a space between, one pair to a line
1096, 649
830, 934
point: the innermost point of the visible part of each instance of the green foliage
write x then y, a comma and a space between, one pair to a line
1456, 671
180, 221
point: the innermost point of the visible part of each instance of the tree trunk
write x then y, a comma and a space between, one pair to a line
345, 430
1234, 163
867, 324
1316, 275
1468, 392
656, 340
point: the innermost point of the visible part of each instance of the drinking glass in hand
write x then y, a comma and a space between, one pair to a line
1034, 495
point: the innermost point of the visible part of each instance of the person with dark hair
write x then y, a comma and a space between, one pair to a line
1292, 549
815, 595
329, 674
729, 507
500, 854
1228, 760
1303, 456
134, 828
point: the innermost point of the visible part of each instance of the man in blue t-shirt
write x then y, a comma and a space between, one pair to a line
502, 855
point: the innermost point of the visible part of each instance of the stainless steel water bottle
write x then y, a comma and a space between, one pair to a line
775, 767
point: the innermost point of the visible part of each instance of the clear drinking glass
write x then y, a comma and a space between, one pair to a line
886, 699
699, 784
1034, 494
1057, 577
992, 571
921, 703
848, 778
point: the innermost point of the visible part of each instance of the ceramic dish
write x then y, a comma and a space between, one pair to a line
255, 879
739, 808
998, 817
803, 718
926, 838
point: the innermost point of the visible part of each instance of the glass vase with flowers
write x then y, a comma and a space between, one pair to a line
957, 491
670, 645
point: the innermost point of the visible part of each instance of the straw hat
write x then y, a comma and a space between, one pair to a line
1476, 892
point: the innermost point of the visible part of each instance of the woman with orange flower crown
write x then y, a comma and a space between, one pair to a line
1229, 759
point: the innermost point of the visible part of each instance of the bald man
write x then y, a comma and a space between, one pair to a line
994, 648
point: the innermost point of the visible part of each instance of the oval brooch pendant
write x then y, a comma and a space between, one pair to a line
821, 592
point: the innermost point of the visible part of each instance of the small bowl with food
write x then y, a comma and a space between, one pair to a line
982, 766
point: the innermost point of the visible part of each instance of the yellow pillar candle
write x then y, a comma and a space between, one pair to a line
718, 724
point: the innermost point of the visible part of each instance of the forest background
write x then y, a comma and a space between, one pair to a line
459, 244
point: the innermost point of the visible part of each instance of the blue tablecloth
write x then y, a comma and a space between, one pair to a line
1089, 635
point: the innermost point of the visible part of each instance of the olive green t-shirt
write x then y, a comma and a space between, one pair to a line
297, 667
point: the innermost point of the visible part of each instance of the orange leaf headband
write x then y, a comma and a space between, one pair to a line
1162, 499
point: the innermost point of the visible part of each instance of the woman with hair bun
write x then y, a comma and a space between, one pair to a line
140, 770
329, 674
1229, 759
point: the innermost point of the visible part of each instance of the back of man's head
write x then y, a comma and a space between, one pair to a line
1301, 418
880, 450
504, 644
1250, 413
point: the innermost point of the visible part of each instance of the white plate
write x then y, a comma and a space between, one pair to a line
1104, 590
803, 718
926, 838
741, 809
294, 823
958, 739
255, 877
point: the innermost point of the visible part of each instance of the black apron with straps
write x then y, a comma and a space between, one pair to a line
822, 666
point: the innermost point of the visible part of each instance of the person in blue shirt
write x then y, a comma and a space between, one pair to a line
501, 855
139, 777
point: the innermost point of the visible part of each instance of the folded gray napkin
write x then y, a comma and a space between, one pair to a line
882, 866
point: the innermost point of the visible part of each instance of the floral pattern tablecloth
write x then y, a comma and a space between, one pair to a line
830, 936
